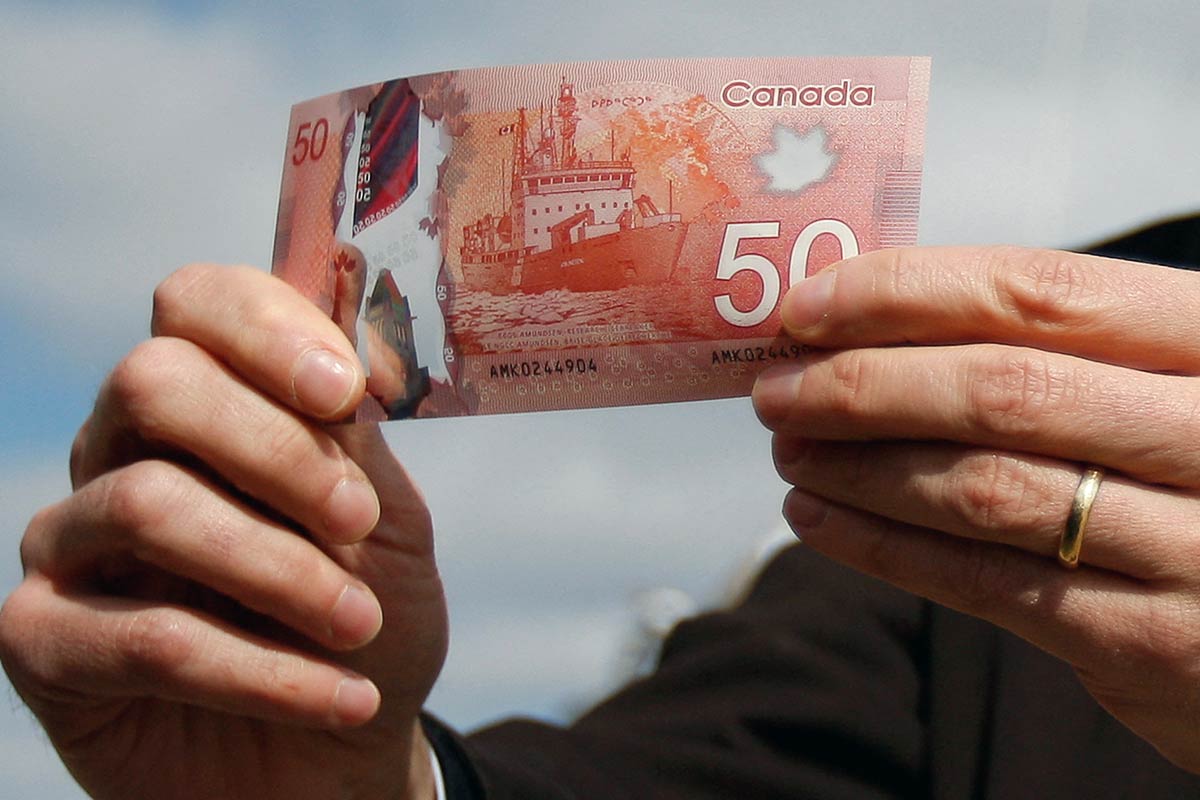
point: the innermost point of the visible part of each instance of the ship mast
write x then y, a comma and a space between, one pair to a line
545, 157
520, 152
516, 214
568, 120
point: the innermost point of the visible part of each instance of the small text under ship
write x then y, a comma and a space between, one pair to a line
572, 223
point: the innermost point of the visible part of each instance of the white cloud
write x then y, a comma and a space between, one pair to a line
137, 147
135, 144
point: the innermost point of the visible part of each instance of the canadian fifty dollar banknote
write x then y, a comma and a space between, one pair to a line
595, 234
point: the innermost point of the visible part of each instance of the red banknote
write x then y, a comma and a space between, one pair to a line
596, 234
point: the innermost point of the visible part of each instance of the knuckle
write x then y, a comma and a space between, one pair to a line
223, 543
156, 643
847, 385
17, 619
299, 567
33, 544
138, 375
860, 470
880, 555
172, 295
1050, 289
899, 281
79, 452
991, 491
269, 314
273, 679
146, 387
875, 554
1012, 391
142, 381
890, 278
286, 441
983, 582
31, 658
141, 497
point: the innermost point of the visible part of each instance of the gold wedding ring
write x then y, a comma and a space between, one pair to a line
1081, 508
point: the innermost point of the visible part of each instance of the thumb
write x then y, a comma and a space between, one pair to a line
404, 519
396, 560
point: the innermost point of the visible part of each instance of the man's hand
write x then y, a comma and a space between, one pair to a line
236, 601
938, 439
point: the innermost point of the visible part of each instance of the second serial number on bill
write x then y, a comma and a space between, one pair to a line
537, 369
749, 355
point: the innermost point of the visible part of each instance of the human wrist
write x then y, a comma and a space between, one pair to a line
402, 769
421, 783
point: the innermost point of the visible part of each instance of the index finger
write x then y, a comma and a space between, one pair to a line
267, 332
1103, 309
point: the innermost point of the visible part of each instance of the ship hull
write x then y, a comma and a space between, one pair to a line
639, 256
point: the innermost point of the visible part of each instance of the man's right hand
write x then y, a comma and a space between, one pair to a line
235, 601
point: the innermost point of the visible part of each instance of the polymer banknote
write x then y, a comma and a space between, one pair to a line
563, 236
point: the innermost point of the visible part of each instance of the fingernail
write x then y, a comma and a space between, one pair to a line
807, 303
804, 511
775, 393
352, 510
356, 617
322, 382
355, 701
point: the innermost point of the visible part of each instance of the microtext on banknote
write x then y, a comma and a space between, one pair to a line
563, 236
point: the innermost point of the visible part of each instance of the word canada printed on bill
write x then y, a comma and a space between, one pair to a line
577, 235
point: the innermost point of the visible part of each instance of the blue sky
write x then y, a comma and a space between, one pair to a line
139, 136
41, 408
